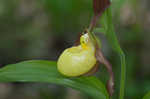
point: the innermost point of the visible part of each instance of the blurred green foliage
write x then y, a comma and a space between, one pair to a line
41, 29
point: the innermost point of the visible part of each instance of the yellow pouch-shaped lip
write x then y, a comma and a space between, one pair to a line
76, 61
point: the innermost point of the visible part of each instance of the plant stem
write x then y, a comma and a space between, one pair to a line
123, 76
110, 33
117, 48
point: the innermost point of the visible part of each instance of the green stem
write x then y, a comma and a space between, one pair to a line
123, 76
116, 47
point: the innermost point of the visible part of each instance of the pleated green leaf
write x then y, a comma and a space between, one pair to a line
46, 72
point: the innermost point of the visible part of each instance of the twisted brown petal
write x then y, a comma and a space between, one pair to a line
101, 59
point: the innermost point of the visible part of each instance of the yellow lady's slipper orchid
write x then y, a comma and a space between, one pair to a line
77, 60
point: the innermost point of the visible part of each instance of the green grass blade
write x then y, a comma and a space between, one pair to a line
46, 72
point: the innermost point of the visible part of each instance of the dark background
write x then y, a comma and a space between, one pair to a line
42, 29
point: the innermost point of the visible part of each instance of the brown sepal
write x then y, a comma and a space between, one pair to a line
100, 5
77, 42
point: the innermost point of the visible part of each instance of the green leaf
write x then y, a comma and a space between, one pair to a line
46, 72
147, 96
101, 30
